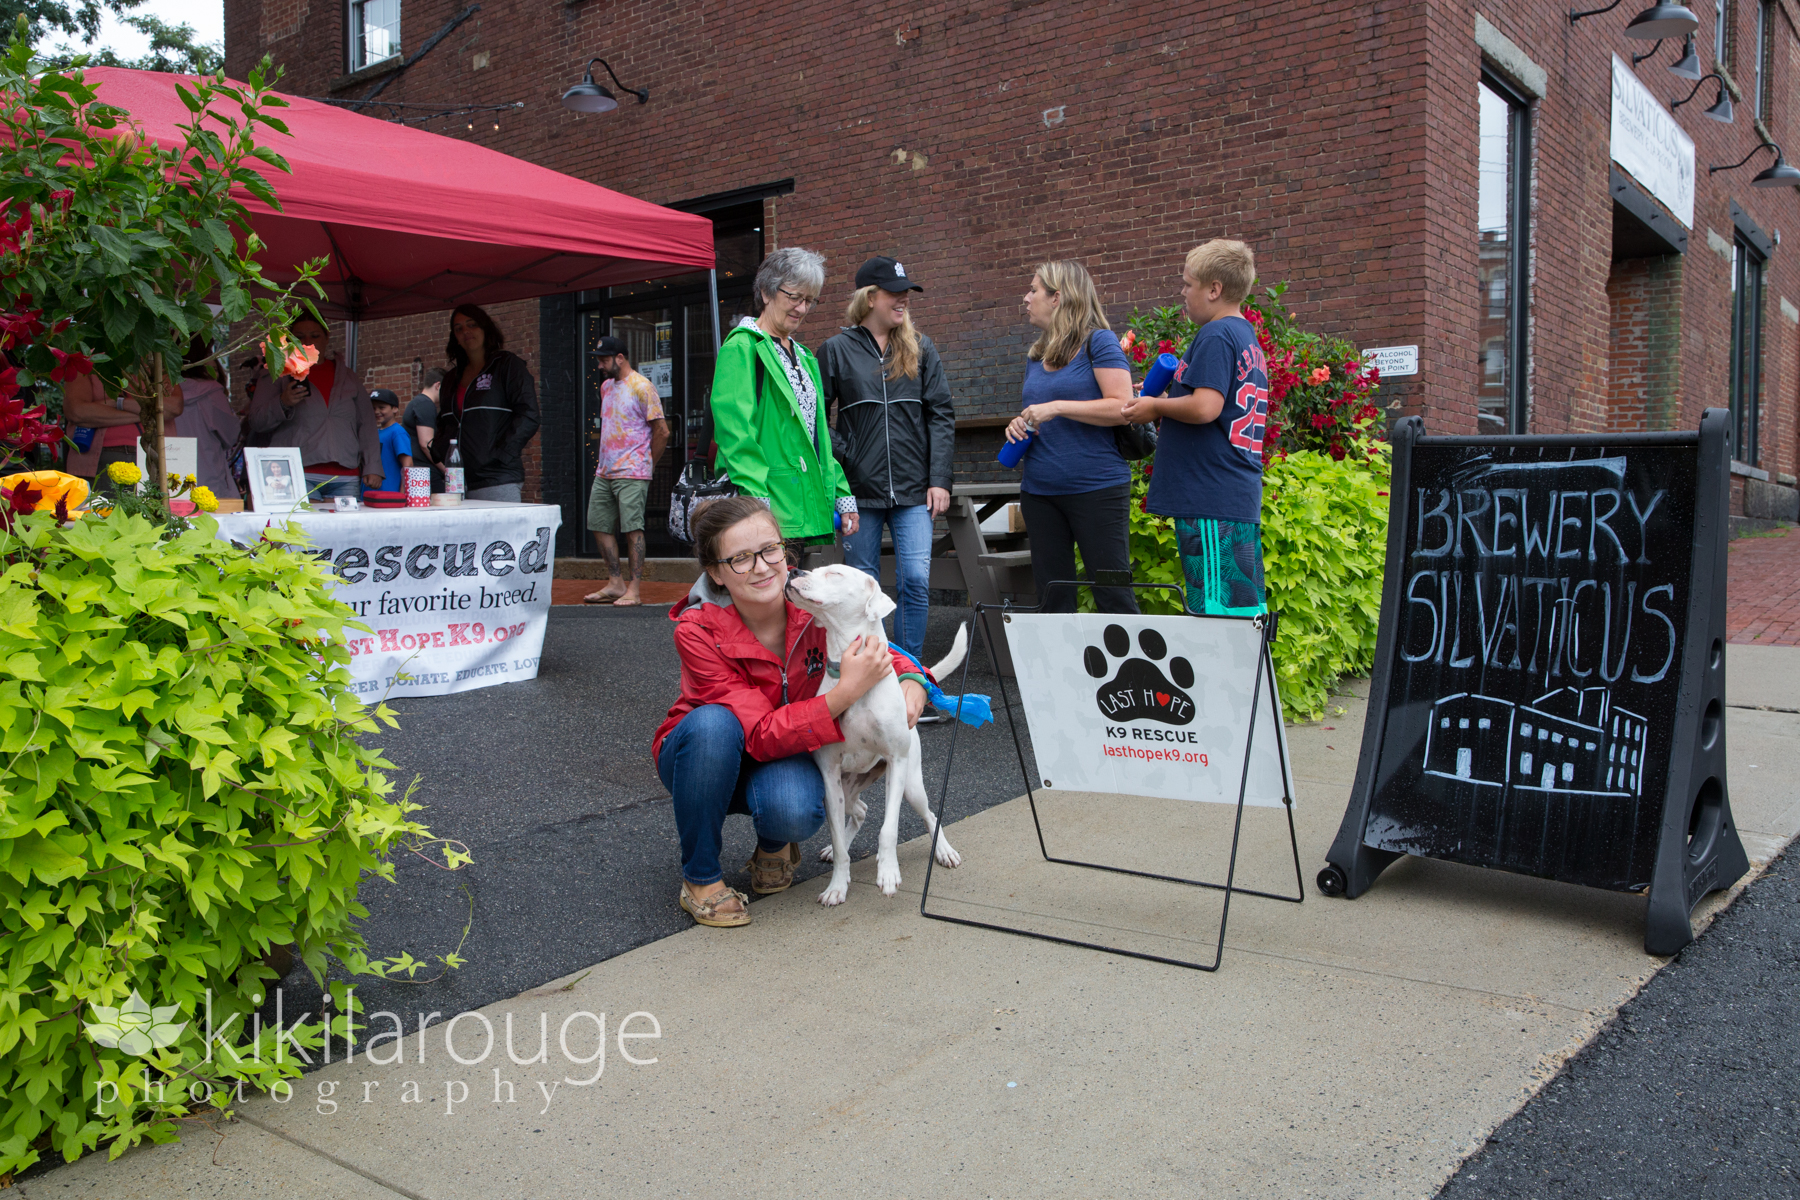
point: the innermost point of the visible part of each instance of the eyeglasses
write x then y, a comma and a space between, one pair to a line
774, 554
796, 298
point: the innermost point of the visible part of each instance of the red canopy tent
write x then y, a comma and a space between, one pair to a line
417, 222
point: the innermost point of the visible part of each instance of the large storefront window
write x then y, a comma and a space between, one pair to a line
667, 328
1746, 348
1500, 343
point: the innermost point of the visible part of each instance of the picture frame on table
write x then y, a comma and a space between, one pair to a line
277, 479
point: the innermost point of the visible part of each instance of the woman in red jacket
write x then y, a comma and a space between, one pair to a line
740, 738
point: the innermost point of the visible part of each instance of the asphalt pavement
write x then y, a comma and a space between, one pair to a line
550, 785
1691, 1091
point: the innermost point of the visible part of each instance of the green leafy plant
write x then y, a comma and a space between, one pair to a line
112, 245
184, 792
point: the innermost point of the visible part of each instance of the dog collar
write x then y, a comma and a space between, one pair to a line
834, 669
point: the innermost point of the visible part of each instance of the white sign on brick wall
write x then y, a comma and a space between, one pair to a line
1393, 360
1649, 145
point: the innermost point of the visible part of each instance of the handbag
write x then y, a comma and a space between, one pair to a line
1134, 441
695, 486
692, 489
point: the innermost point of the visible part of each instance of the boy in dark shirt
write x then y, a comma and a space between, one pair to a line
1208, 472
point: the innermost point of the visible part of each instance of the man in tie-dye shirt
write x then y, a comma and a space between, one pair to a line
633, 433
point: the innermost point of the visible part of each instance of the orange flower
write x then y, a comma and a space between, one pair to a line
296, 358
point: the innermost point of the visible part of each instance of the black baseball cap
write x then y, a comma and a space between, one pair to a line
888, 274
383, 396
608, 346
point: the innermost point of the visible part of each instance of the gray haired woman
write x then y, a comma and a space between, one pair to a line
773, 439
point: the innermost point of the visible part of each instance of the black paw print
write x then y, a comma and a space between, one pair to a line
815, 661
1139, 689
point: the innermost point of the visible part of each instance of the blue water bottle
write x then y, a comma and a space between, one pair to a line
1012, 452
1161, 372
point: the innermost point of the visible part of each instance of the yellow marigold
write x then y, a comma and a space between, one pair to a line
124, 474
189, 480
203, 499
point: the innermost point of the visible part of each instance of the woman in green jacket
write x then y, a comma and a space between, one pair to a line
774, 441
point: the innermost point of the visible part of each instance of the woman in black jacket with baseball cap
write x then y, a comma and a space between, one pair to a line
895, 435
489, 405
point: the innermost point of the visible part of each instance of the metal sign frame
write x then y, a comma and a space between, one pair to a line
1265, 668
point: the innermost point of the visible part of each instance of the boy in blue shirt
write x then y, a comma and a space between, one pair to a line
1208, 472
396, 442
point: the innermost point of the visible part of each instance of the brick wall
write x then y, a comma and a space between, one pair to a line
974, 140
1643, 364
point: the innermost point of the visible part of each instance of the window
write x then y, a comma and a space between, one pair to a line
1722, 32
1746, 347
374, 31
1502, 241
1765, 59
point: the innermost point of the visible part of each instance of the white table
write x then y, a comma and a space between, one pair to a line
454, 598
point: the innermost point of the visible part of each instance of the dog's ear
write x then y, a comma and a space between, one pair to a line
879, 605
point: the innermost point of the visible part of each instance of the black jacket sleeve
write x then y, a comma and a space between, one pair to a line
940, 418
831, 383
521, 397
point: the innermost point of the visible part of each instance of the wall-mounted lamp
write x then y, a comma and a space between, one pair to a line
1778, 174
589, 97
1687, 66
1656, 22
1721, 108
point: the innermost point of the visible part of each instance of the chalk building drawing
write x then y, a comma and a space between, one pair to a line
1567, 740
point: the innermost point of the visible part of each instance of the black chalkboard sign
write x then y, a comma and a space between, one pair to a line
1549, 688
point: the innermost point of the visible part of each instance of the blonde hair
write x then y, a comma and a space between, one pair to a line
1076, 318
903, 343
1230, 264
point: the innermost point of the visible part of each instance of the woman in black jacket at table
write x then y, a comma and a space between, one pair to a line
489, 402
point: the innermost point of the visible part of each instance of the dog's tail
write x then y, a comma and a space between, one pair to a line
958, 650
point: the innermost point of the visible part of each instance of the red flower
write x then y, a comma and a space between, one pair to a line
1336, 451
70, 366
63, 198
1320, 420
1139, 354
12, 232
1165, 346
20, 327
24, 498
1366, 411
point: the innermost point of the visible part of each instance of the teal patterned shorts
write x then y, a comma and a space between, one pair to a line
1223, 564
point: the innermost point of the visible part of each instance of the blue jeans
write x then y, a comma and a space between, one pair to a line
912, 565
328, 487
705, 769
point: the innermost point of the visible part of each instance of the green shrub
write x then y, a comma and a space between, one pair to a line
183, 790
1324, 539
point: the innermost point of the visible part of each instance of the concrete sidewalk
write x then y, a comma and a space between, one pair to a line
1346, 1049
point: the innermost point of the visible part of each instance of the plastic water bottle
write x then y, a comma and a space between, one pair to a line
453, 473
1012, 452
1161, 371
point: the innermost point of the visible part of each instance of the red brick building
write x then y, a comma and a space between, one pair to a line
1423, 173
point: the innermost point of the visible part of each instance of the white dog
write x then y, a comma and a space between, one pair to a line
850, 605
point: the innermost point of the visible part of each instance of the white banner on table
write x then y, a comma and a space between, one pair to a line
455, 598
1148, 706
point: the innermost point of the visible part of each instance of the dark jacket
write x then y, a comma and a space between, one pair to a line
894, 437
491, 422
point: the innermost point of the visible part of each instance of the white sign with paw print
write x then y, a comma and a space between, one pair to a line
1149, 706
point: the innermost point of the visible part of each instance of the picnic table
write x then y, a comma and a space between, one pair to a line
988, 567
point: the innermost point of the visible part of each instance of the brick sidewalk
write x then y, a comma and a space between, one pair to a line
1762, 596
570, 591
